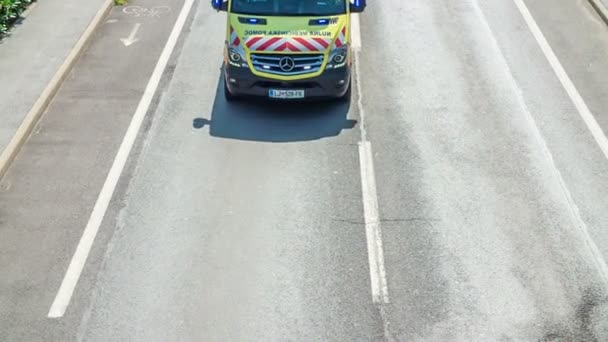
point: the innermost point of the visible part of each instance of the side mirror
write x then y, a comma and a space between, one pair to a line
219, 5
357, 6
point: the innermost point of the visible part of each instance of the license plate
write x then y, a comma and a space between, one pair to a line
286, 94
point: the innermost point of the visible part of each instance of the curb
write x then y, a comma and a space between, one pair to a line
601, 9
29, 8
39, 107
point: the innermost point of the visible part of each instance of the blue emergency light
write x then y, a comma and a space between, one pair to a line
320, 22
357, 6
252, 21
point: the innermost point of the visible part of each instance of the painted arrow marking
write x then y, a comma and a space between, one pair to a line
131, 39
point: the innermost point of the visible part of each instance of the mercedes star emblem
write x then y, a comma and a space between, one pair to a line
287, 64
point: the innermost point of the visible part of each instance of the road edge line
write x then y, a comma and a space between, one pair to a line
584, 112
575, 97
600, 9
32, 117
598, 258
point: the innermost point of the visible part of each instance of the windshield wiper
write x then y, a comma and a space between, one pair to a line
252, 13
308, 14
274, 14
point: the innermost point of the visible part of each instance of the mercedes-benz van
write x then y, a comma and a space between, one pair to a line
288, 49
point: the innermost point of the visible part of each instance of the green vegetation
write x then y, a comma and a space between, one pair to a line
120, 2
10, 10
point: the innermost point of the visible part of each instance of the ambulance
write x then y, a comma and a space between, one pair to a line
288, 49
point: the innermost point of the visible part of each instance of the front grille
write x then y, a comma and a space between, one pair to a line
303, 64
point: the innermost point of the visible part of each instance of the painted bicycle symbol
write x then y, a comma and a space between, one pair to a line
140, 12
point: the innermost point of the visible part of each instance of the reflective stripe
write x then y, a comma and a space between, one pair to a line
269, 43
323, 42
251, 41
234, 38
303, 44
318, 47
341, 40
297, 44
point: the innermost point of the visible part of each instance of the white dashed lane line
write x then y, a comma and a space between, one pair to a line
373, 228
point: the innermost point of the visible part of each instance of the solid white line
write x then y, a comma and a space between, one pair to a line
355, 30
575, 96
373, 229
598, 259
64, 295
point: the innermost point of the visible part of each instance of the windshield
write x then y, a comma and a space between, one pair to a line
289, 7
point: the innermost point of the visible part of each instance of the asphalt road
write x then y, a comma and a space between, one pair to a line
246, 221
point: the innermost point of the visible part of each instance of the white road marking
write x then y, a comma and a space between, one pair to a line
138, 11
598, 259
372, 225
355, 30
79, 259
373, 229
565, 80
131, 38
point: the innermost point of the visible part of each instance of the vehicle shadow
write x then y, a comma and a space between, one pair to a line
268, 121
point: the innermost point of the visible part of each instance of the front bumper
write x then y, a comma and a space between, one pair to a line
242, 82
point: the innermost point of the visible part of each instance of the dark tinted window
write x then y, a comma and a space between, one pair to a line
290, 7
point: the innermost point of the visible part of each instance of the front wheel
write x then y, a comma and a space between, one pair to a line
346, 97
227, 94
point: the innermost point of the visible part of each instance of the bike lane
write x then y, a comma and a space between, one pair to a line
48, 193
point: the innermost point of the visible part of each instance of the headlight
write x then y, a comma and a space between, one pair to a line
337, 57
236, 56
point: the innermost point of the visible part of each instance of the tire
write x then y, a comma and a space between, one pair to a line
346, 97
227, 94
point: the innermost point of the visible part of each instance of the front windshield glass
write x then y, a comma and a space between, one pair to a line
289, 7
